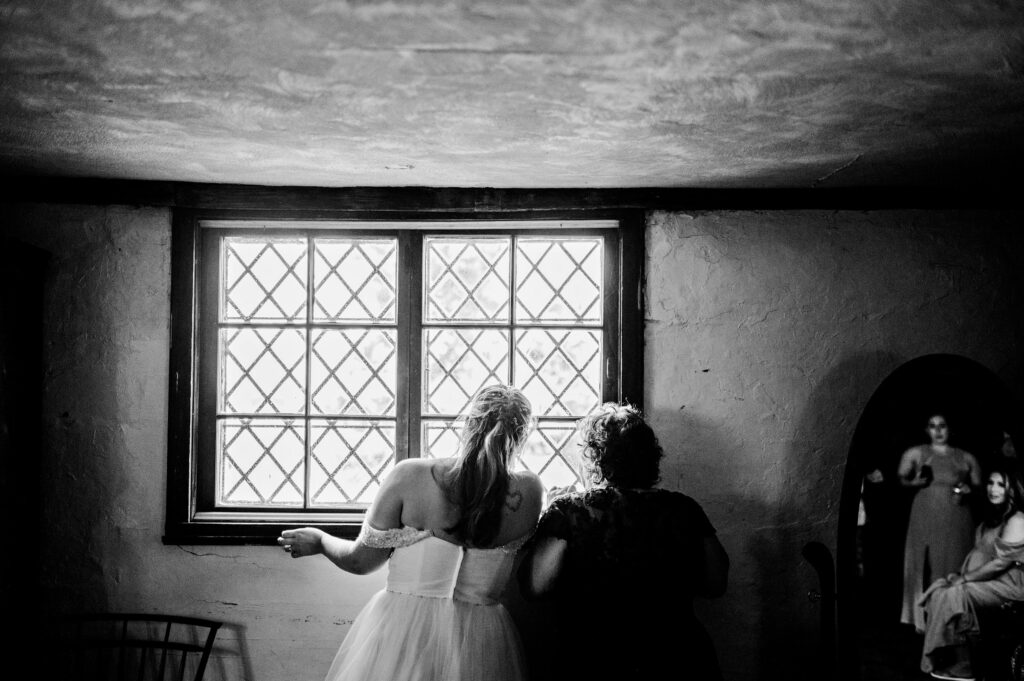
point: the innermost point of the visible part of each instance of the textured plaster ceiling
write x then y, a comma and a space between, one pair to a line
560, 93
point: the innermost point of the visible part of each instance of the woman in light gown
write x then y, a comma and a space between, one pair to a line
941, 528
449, 530
991, 575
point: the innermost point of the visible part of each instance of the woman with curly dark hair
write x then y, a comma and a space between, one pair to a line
623, 561
991, 576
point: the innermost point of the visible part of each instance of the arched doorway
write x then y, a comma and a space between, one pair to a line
874, 508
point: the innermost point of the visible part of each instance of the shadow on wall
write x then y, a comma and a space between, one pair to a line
230, 659
693, 465
979, 409
791, 643
84, 453
22, 277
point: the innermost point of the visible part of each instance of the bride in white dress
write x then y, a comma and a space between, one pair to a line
449, 530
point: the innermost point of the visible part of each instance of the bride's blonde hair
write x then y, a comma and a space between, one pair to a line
496, 426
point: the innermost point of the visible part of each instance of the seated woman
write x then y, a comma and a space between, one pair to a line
991, 576
623, 562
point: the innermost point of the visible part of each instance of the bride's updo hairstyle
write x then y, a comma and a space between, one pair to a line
619, 447
496, 426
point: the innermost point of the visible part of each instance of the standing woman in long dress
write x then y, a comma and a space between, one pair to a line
449, 530
940, 532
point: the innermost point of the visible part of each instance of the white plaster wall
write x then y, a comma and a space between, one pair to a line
105, 416
766, 334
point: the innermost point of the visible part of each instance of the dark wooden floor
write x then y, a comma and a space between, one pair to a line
891, 652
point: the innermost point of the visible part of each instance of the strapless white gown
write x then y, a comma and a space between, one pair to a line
438, 618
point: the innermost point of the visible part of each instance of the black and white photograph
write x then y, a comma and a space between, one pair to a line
439, 340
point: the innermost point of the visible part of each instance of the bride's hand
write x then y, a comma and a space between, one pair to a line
305, 541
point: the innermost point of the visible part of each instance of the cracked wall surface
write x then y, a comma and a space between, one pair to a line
766, 333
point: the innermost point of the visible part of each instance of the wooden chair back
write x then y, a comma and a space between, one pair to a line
135, 647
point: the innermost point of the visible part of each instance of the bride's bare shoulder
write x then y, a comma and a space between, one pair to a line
527, 479
410, 474
527, 484
414, 467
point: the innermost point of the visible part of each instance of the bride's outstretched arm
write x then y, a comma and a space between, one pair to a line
353, 556
350, 556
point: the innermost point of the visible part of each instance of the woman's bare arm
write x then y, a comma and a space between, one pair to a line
541, 566
1013, 533
909, 470
975, 470
350, 556
353, 556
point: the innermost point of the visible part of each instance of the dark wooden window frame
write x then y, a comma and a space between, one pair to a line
188, 518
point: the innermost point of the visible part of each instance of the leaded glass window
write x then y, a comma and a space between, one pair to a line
327, 352
521, 310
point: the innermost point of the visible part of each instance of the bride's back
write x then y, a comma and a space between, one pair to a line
425, 504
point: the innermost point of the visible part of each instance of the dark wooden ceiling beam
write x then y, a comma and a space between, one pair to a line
471, 201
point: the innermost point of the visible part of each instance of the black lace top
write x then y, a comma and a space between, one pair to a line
621, 539
632, 559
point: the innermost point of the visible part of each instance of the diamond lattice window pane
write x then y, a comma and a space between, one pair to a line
467, 279
260, 462
354, 372
552, 451
264, 279
440, 439
558, 281
559, 370
262, 370
458, 363
349, 460
354, 280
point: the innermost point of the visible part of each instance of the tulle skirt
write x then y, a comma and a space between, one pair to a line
402, 637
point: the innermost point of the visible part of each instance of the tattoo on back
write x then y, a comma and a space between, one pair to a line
513, 500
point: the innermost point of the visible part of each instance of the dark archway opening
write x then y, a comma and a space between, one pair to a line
873, 645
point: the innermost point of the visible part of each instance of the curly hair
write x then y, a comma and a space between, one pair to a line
496, 426
619, 447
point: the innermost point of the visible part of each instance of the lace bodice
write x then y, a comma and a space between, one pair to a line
423, 564
391, 539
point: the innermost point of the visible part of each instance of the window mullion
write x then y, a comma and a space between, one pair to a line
410, 331
512, 310
631, 311
307, 425
208, 372
610, 364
